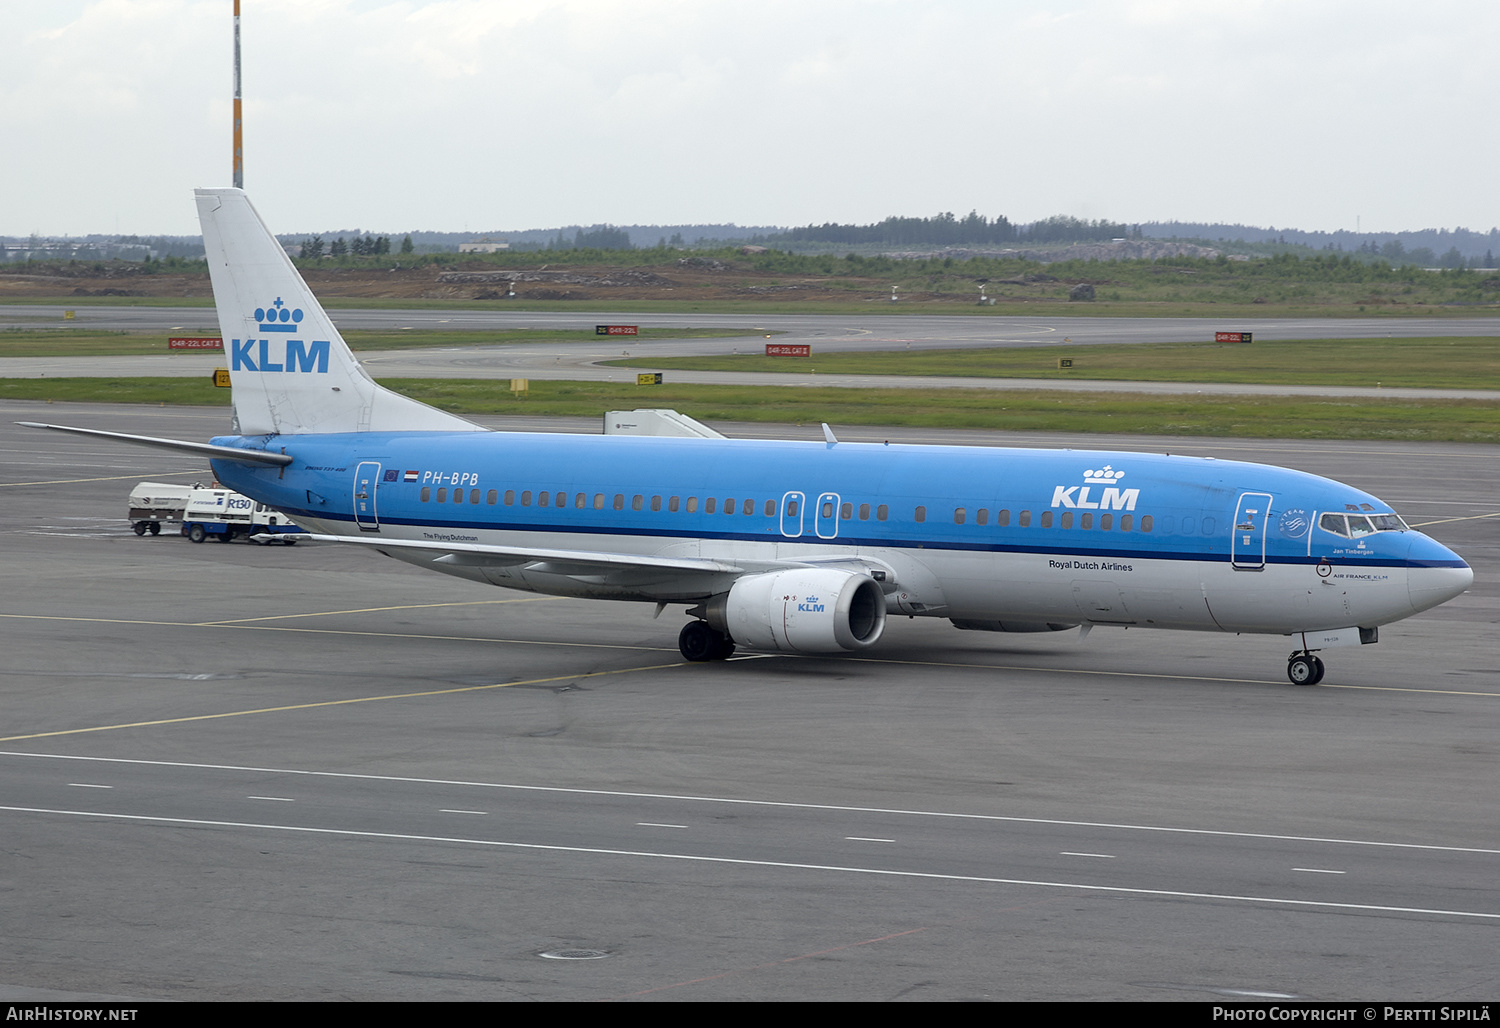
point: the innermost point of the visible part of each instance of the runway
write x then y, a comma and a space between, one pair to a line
234, 772
581, 361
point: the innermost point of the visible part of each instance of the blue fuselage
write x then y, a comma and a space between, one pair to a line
983, 533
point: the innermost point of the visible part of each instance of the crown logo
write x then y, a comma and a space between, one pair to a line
1104, 476
277, 317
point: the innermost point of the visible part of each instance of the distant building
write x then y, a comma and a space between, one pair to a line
485, 245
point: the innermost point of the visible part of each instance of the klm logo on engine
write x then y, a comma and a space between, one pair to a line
289, 355
810, 606
1112, 498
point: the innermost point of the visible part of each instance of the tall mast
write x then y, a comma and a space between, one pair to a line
239, 143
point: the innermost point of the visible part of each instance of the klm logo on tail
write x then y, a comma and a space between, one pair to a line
292, 356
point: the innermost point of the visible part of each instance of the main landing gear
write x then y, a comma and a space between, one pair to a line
700, 642
1304, 669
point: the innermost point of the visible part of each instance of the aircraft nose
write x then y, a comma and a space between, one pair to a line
1435, 573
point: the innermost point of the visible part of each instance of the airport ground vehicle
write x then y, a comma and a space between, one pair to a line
151, 503
226, 515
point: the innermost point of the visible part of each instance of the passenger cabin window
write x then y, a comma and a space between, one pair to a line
1046, 519
672, 504
1025, 519
1002, 518
442, 496
526, 498
426, 493
749, 507
921, 514
491, 497
1145, 522
1067, 519
846, 511
598, 501
729, 506
1086, 521
770, 508
959, 514
882, 512
1106, 522
864, 512
982, 516
692, 504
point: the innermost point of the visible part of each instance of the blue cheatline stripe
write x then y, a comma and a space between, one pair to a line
863, 541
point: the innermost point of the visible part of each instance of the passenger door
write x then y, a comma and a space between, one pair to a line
1247, 544
366, 480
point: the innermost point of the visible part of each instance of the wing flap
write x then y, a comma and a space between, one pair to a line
558, 561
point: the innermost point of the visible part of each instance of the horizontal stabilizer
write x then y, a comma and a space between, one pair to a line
202, 449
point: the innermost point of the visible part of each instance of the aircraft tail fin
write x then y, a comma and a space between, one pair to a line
290, 370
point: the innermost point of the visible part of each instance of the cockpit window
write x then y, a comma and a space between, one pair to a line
1333, 523
1353, 526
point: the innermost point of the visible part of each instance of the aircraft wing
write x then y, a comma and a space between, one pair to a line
558, 562
600, 565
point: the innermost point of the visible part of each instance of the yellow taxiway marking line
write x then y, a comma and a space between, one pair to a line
1444, 521
111, 478
337, 631
340, 703
375, 610
668, 649
1158, 674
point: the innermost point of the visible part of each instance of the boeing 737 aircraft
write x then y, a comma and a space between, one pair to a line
787, 546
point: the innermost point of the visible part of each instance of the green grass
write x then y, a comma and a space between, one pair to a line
1268, 417
1440, 362
70, 342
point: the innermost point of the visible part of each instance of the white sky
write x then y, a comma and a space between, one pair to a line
500, 114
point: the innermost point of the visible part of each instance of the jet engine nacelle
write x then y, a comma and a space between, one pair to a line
803, 610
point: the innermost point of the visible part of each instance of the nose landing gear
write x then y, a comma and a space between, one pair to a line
1304, 669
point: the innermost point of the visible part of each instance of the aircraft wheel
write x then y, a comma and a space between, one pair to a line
197, 534
698, 642
1318, 670
140, 528
1302, 671
155, 527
